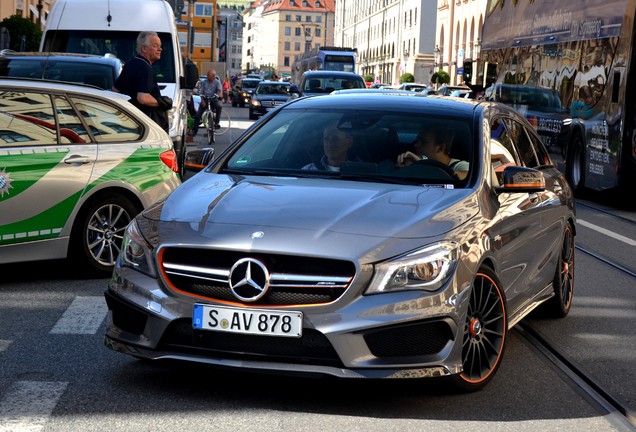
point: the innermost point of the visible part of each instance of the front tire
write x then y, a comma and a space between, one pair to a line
563, 283
485, 333
98, 233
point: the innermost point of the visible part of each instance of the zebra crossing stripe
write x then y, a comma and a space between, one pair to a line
84, 316
27, 406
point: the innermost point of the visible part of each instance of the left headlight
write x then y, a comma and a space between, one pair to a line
136, 253
425, 269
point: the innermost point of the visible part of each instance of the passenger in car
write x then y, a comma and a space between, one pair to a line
434, 143
337, 142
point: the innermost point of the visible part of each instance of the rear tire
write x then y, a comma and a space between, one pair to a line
224, 123
98, 233
485, 333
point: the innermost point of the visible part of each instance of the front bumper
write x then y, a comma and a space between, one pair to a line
395, 335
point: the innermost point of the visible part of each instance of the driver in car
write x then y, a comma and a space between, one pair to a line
434, 143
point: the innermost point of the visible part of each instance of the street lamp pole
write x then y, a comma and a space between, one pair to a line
40, 6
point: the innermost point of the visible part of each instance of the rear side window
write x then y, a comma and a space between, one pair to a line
107, 122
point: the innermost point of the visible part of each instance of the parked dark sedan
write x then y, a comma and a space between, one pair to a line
267, 96
305, 248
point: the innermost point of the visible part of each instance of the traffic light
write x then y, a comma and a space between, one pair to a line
468, 71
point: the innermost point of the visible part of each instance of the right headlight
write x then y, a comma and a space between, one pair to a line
425, 269
136, 253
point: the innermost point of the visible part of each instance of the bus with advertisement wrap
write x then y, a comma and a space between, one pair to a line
570, 68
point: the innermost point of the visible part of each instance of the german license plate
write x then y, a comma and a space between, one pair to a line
264, 322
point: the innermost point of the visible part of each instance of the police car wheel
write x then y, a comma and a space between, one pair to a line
98, 233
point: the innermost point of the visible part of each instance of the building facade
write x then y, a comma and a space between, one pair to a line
457, 39
276, 31
34, 10
392, 37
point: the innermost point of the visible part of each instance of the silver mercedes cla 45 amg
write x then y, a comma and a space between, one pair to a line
356, 236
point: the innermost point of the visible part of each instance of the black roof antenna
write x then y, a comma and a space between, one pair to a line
109, 18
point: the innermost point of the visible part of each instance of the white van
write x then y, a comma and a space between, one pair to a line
101, 27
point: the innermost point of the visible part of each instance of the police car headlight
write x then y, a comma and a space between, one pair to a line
426, 269
136, 253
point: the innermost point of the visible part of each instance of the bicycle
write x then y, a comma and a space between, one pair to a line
208, 120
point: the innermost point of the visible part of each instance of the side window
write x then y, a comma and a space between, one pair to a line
107, 122
522, 141
502, 150
502, 145
542, 152
71, 128
26, 119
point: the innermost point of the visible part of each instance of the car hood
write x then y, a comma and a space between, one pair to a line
310, 210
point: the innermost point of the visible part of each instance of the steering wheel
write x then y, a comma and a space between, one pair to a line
439, 165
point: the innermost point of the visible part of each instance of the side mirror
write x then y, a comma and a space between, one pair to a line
191, 75
198, 159
521, 179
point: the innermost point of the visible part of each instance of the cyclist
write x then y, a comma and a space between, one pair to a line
211, 90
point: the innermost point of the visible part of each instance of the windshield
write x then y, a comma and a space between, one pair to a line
327, 84
250, 84
297, 142
272, 88
119, 43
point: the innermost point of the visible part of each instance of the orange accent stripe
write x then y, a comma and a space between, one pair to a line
525, 185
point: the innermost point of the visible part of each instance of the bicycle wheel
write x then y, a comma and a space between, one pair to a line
224, 123
209, 126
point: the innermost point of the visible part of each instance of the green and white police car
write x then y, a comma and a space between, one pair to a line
76, 165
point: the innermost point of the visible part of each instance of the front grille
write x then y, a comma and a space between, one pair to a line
293, 280
312, 348
415, 339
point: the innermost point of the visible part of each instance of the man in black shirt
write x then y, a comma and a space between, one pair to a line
138, 80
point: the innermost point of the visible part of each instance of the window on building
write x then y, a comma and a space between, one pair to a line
298, 31
287, 17
286, 61
203, 10
308, 18
287, 46
318, 32
299, 18
296, 46
319, 19
287, 31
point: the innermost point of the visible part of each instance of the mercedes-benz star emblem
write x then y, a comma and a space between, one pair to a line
249, 279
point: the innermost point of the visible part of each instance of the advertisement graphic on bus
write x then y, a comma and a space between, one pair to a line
569, 68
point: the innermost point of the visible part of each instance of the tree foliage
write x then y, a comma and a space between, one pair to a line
18, 27
368, 78
440, 77
407, 78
